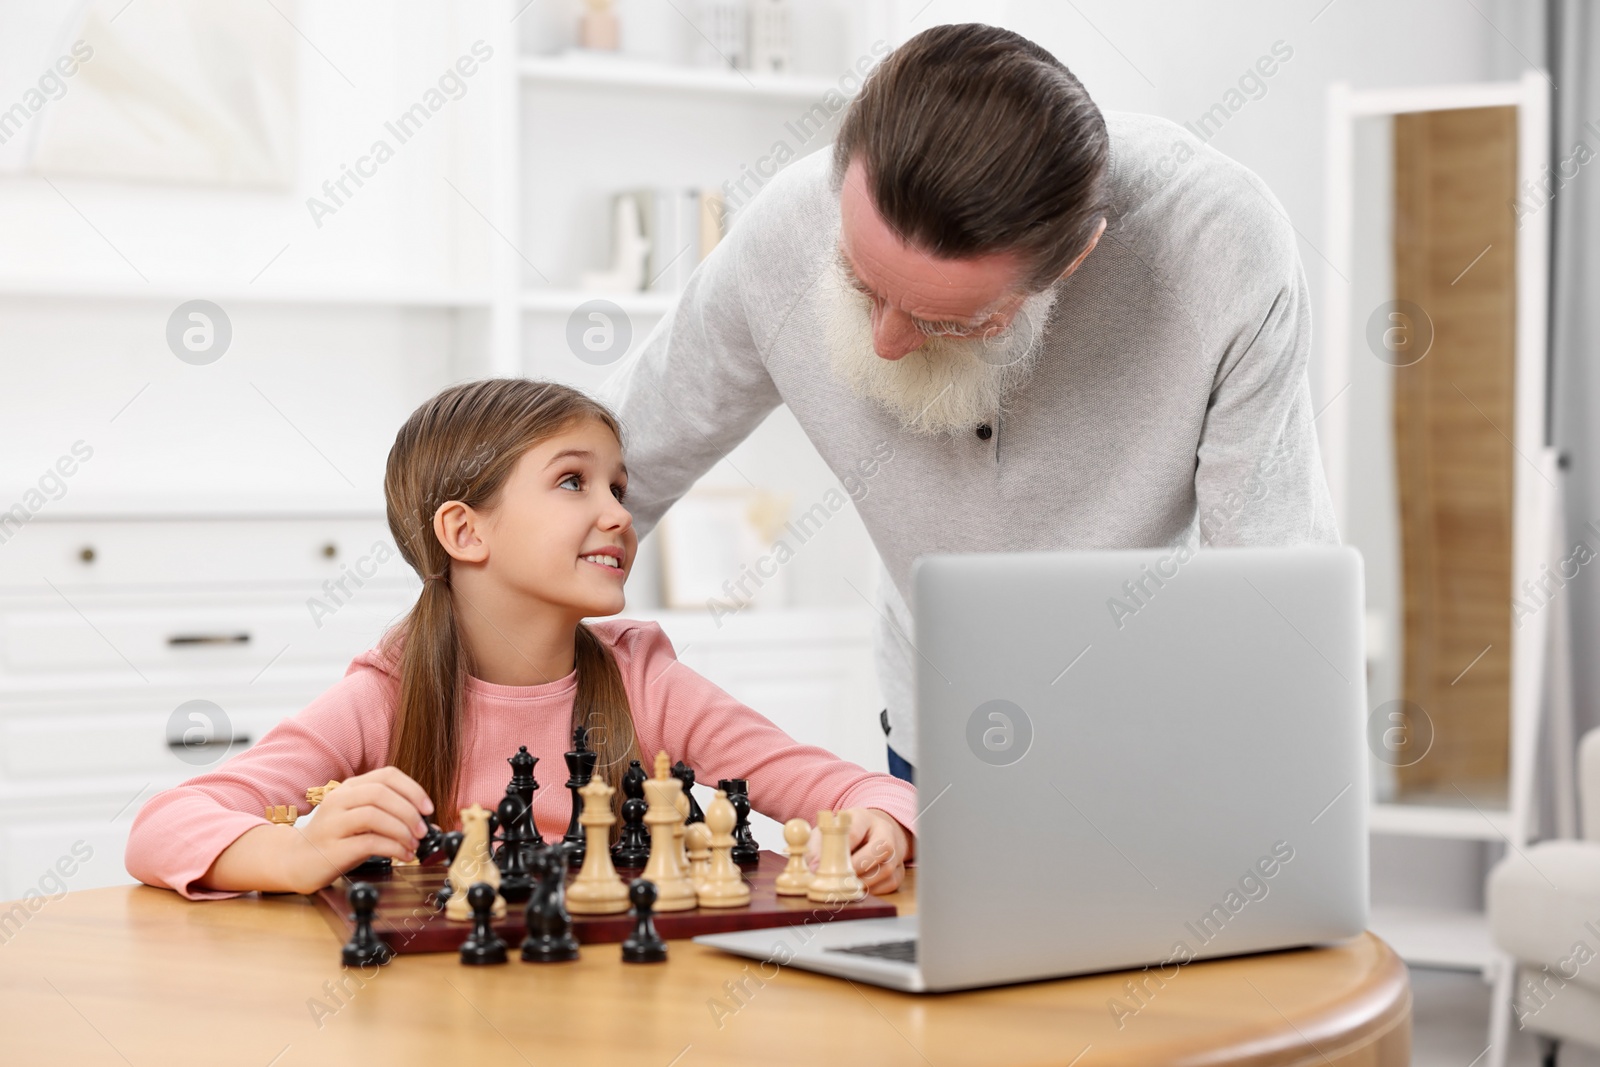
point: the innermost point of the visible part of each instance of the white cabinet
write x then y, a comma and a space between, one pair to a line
103, 658
114, 630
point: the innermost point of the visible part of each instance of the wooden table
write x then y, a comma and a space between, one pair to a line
134, 975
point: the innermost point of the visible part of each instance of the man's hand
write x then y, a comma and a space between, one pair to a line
879, 848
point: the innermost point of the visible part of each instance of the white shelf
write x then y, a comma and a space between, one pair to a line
619, 72
1436, 937
563, 301
1437, 820
334, 294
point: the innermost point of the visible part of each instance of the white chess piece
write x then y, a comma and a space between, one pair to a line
836, 881
724, 885
473, 864
796, 877
598, 889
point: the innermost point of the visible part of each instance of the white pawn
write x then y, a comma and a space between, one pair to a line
836, 881
796, 877
697, 838
724, 885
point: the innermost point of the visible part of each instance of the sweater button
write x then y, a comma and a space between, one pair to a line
984, 432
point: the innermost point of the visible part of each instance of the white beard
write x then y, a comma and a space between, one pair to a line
949, 385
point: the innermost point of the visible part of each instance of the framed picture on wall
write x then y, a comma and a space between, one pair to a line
716, 550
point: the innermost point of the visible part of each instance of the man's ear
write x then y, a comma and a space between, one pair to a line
1093, 240
458, 528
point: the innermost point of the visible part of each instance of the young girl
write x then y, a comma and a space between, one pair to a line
506, 496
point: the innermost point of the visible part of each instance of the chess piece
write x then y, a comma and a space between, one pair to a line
365, 948
644, 945
685, 774
724, 886
796, 877
472, 864
450, 844
599, 29
371, 865
483, 946
318, 793
835, 881
580, 770
515, 857
673, 889
597, 890
697, 839
745, 849
549, 924
282, 814
431, 847
633, 844
522, 786
681, 851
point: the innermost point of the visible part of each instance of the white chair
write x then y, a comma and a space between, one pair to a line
1544, 911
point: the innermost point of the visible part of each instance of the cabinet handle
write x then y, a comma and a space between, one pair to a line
215, 742
208, 639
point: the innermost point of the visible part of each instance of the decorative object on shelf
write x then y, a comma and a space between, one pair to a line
720, 40
771, 36
630, 251
599, 29
661, 235
724, 549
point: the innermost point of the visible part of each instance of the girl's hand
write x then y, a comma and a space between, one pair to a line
879, 848
379, 813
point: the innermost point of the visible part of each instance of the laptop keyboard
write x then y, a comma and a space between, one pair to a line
900, 951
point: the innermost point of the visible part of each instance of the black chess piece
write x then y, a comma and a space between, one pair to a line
515, 859
644, 945
685, 774
431, 845
365, 948
550, 938
632, 849
745, 849
450, 844
371, 865
483, 946
522, 786
580, 769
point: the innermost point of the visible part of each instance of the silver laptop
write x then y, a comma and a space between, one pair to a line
1127, 758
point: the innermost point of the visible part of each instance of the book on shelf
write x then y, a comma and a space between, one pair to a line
659, 236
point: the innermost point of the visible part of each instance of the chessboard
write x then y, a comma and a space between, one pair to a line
409, 922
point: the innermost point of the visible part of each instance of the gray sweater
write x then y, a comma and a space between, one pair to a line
1170, 401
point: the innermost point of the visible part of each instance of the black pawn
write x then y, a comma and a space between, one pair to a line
516, 852
685, 774
580, 768
431, 845
745, 849
450, 844
644, 945
549, 923
632, 849
365, 948
483, 946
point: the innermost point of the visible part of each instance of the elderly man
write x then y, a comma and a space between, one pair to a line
1017, 324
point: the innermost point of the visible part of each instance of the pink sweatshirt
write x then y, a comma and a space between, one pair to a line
179, 833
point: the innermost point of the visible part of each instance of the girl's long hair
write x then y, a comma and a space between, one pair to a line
462, 445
